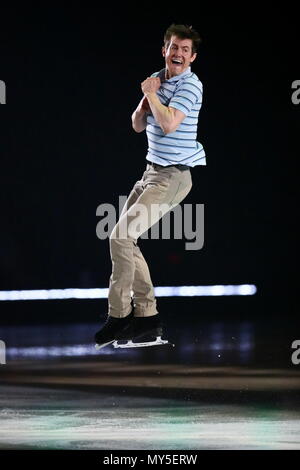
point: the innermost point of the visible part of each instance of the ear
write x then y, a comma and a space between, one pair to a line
193, 57
163, 51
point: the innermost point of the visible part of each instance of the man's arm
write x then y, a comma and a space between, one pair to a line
139, 116
167, 117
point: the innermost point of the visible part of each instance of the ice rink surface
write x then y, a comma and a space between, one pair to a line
47, 418
209, 392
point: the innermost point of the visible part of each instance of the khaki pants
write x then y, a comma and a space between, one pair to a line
159, 190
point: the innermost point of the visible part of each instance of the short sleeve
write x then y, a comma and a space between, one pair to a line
187, 95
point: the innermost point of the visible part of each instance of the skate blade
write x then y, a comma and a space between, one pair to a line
100, 346
131, 344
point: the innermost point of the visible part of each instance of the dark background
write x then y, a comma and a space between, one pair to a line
73, 79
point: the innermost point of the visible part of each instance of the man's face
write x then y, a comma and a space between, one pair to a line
178, 56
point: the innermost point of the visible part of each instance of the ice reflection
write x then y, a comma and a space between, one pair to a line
54, 351
219, 342
214, 343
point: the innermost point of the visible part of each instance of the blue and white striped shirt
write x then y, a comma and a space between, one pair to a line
183, 92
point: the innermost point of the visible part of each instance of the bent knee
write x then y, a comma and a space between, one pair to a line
118, 235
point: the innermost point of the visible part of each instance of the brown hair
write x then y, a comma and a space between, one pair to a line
182, 31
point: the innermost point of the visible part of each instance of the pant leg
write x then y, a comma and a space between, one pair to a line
143, 290
123, 269
144, 297
157, 192
142, 287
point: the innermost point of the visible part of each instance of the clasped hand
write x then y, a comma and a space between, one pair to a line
150, 85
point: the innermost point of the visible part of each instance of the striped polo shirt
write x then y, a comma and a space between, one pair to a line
183, 92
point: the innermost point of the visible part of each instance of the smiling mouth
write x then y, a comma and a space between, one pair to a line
176, 62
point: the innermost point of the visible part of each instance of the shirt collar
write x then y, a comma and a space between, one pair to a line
161, 75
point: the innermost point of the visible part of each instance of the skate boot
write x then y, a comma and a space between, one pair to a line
141, 332
142, 326
111, 329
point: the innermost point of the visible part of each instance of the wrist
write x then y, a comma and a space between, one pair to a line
151, 94
140, 111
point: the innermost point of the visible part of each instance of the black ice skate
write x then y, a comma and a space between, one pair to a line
112, 328
141, 332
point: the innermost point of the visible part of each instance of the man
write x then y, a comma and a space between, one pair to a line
169, 112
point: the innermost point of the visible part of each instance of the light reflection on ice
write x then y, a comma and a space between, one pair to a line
56, 351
